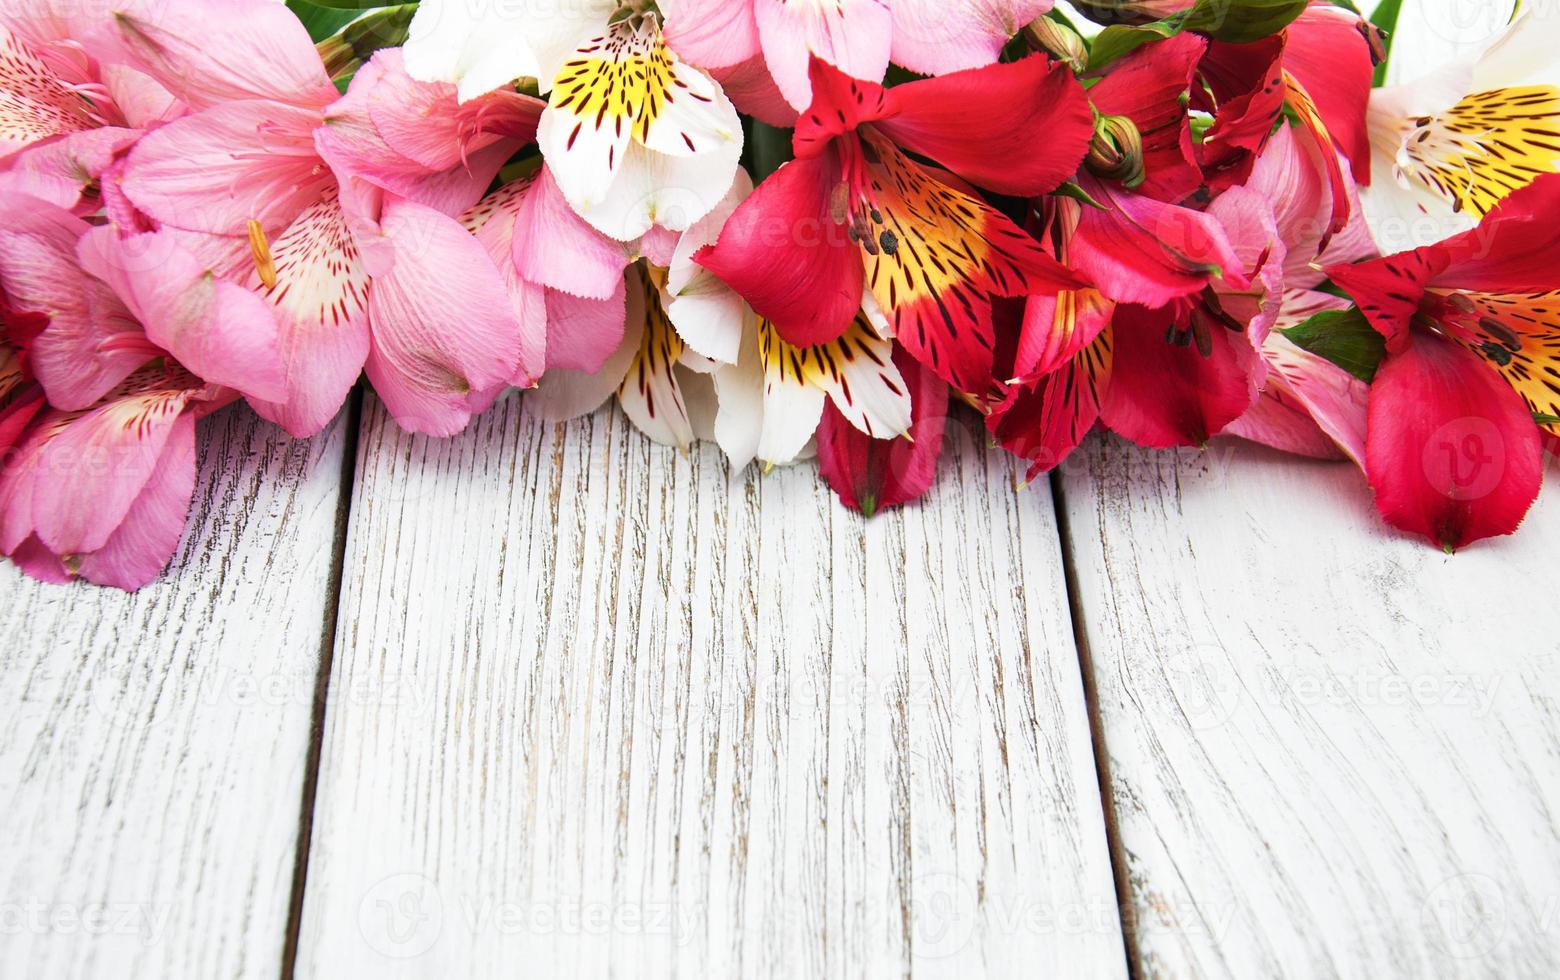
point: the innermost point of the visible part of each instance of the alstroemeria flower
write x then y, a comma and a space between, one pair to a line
1472, 372
1451, 145
67, 110
348, 206
853, 214
859, 37
109, 327
634, 136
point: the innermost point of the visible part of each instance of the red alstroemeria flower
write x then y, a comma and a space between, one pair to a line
853, 214
1152, 349
1473, 356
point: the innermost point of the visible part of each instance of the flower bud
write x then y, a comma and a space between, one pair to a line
1061, 41
1117, 150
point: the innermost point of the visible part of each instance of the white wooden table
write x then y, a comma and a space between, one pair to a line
549, 701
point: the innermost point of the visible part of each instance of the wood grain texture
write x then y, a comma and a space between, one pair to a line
1335, 751
153, 747
601, 709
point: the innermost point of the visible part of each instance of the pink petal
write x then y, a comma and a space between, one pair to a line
711, 34
220, 331
37, 105
492, 221
851, 35
219, 51
60, 170
418, 141
1141, 250
321, 307
582, 334
753, 91
77, 477
444, 332
1452, 452
141, 547
217, 170
91, 342
935, 37
554, 247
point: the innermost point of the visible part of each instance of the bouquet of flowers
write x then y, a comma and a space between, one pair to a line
800, 229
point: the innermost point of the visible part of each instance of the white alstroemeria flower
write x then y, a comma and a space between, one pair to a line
697, 363
1454, 140
635, 137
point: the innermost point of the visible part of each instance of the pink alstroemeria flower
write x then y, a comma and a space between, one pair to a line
350, 207
97, 485
859, 37
1471, 378
1309, 406
68, 106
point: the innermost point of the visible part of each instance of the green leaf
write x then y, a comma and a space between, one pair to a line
322, 21
1235, 21
1343, 337
1543, 419
1386, 18
768, 149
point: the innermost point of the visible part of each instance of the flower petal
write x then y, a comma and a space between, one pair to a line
1165, 393
711, 33
219, 169
444, 335
321, 301
221, 332
852, 35
1452, 452
934, 37
220, 51
936, 259
1018, 129
872, 474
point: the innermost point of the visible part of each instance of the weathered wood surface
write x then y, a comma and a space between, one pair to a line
602, 709
1335, 751
154, 748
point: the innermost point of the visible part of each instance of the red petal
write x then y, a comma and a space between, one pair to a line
1018, 129
1165, 394
1044, 421
840, 105
1246, 82
937, 257
1326, 51
1141, 250
874, 474
1452, 452
785, 254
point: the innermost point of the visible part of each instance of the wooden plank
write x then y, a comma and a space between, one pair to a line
603, 709
154, 747
1333, 749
